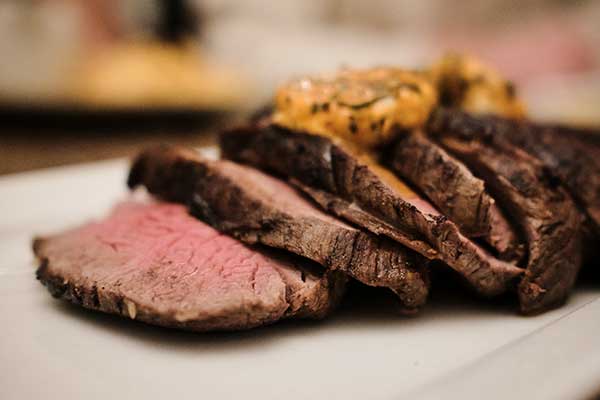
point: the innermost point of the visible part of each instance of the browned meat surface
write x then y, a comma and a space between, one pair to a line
359, 191
534, 199
152, 262
572, 159
570, 154
454, 190
257, 208
567, 154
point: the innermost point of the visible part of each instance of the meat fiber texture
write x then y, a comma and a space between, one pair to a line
569, 154
455, 191
152, 262
257, 208
347, 185
538, 204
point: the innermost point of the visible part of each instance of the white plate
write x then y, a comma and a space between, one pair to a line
457, 348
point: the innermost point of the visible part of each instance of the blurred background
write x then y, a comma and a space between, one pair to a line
83, 80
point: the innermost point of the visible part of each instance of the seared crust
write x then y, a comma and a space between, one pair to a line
232, 207
455, 191
535, 200
342, 184
566, 153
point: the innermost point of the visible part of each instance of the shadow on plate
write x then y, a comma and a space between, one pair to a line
363, 308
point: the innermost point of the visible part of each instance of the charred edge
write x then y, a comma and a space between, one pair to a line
140, 165
136, 173
37, 244
95, 297
76, 294
531, 297
202, 210
57, 287
120, 304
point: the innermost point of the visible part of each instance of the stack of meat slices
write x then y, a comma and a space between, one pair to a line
493, 213
152, 262
276, 227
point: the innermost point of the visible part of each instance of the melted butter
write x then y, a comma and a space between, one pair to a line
364, 107
473, 86
369, 158
388, 177
367, 107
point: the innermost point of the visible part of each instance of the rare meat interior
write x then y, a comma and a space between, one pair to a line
153, 262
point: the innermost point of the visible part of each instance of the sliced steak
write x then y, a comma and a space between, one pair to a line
257, 208
152, 262
352, 187
454, 190
568, 153
573, 155
533, 197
